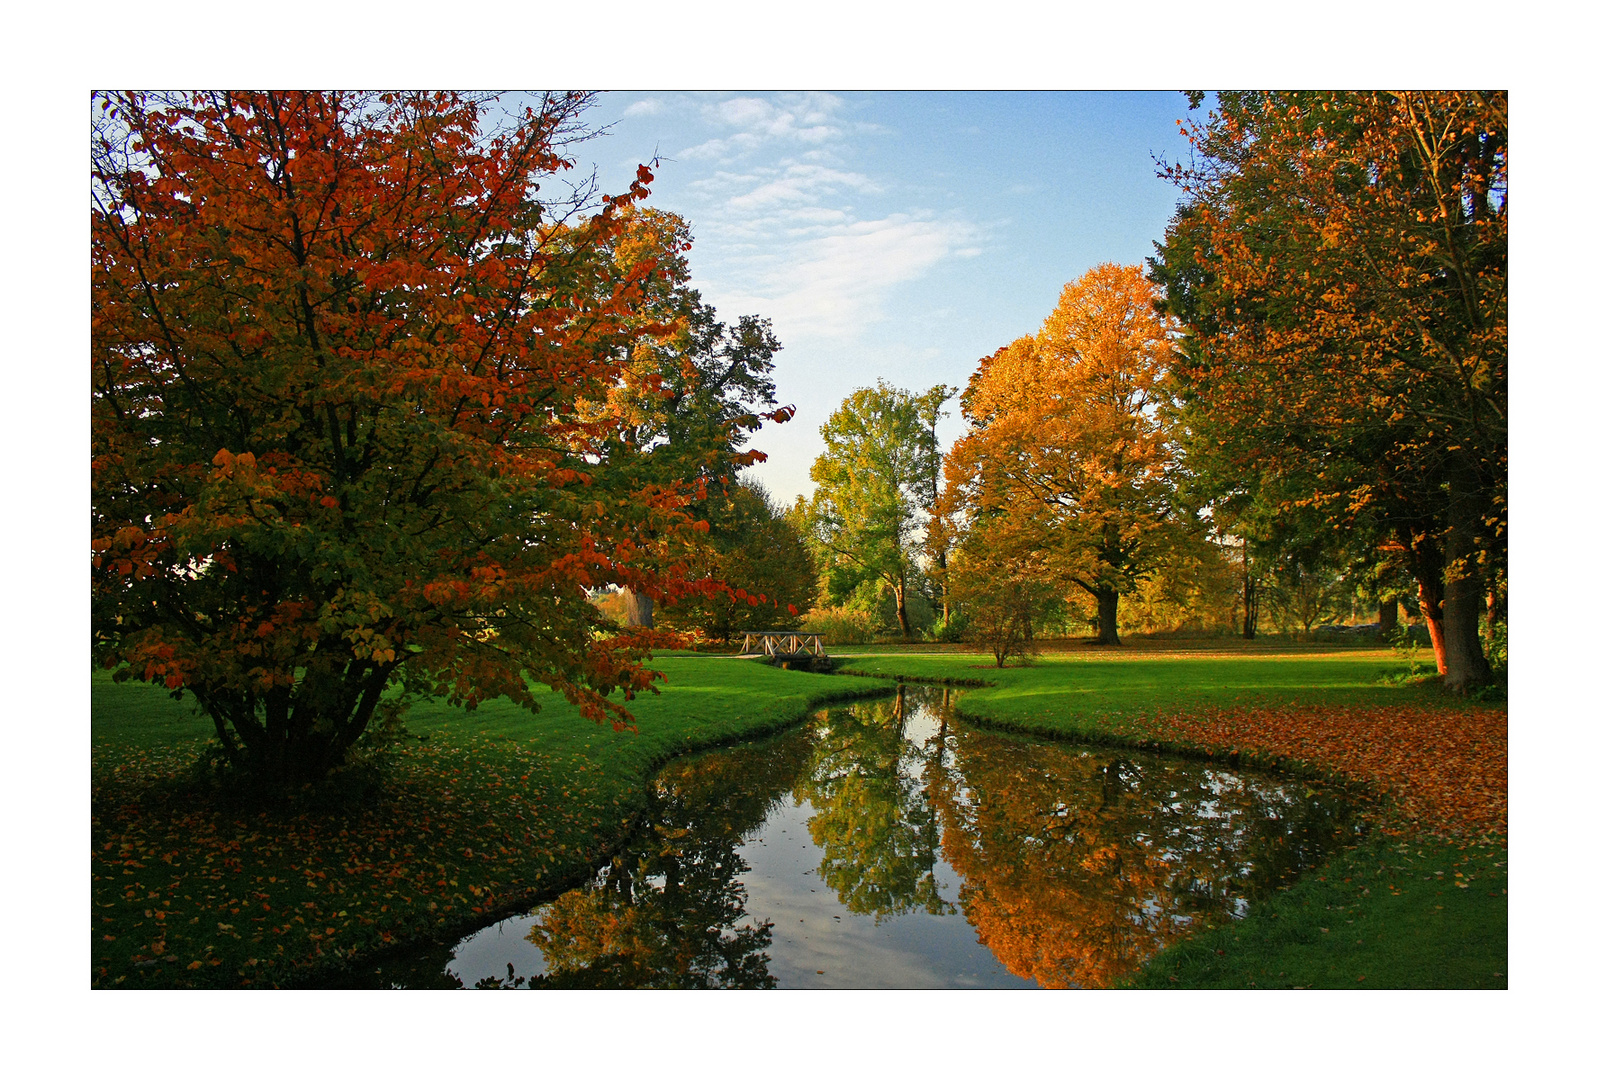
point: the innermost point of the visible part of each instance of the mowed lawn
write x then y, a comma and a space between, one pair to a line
483, 810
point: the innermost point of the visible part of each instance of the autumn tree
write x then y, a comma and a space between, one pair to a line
690, 397
755, 549
1003, 585
345, 360
1341, 263
873, 485
1069, 442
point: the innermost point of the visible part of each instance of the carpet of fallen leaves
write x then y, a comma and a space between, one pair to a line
1446, 768
189, 894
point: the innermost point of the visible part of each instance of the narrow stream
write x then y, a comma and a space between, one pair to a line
885, 844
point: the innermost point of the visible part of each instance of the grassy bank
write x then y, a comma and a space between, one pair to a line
476, 814
480, 812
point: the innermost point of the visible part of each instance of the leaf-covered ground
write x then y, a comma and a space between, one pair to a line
1446, 768
186, 894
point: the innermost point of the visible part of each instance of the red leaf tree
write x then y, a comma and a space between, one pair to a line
350, 370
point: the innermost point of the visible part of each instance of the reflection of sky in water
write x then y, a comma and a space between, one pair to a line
1192, 818
814, 933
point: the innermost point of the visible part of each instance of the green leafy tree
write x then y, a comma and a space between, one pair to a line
873, 486
757, 551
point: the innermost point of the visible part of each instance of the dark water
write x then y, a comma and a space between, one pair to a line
885, 844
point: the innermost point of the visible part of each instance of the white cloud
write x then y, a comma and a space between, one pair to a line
798, 231
804, 119
834, 284
645, 107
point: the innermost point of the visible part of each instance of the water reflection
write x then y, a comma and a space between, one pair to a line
1069, 866
872, 821
1078, 865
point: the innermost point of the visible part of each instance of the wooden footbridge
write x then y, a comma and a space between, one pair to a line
783, 646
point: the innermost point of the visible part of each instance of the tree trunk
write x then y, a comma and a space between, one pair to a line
899, 589
942, 584
1496, 606
292, 736
1108, 616
1425, 562
1430, 590
1250, 597
1461, 606
1388, 617
640, 609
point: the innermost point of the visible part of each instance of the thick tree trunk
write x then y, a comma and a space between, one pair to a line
899, 590
1388, 617
288, 737
1425, 561
1108, 616
1461, 606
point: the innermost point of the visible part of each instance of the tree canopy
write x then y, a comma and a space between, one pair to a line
873, 485
349, 416
1341, 263
1068, 442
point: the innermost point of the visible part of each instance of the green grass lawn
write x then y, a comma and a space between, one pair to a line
481, 811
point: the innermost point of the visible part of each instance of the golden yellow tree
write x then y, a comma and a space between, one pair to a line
1068, 444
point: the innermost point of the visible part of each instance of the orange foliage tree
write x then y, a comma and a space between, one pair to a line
345, 367
1068, 443
1340, 261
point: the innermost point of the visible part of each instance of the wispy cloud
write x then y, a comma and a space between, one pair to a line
836, 283
750, 123
645, 107
799, 231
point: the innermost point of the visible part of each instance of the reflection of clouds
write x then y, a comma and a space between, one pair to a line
852, 950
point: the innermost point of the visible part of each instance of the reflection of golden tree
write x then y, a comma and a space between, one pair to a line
1079, 865
1062, 900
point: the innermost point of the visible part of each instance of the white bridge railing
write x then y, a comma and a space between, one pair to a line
773, 643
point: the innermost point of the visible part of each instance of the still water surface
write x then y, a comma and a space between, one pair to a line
886, 844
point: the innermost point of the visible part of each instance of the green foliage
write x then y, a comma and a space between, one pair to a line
841, 625
1495, 642
756, 550
873, 485
952, 629
1199, 593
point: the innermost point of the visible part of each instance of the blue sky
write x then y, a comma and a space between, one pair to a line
889, 235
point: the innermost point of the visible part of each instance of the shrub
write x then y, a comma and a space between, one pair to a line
840, 626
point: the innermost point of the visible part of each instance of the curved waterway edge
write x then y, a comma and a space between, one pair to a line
845, 849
